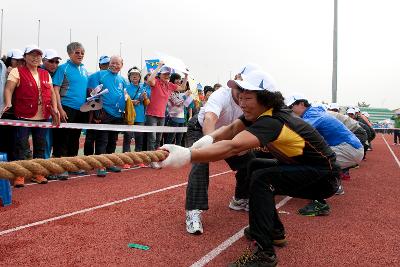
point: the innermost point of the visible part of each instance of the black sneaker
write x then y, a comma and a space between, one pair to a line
278, 237
315, 208
257, 258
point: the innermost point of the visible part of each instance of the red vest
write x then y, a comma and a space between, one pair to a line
26, 95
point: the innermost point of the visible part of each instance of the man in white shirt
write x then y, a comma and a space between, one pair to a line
220, 110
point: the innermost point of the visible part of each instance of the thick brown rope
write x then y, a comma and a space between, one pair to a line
30, 168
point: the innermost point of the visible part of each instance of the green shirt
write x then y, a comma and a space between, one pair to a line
396, 119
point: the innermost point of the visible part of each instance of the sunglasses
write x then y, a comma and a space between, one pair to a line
53, 61
79, 53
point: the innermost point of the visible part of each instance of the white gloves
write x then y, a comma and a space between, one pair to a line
203, 142
178, 156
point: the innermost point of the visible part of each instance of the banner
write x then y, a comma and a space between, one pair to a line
151, 64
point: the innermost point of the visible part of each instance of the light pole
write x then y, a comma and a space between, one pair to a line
38, 33
70, 35
141, 58
97, 50
1, 34
334, 68
120, 49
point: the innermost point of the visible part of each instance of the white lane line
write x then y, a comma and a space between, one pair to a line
229, 242
80, 176
391, 151
15, 229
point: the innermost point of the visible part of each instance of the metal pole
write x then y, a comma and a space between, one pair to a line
141, 58
70, 35
1, 34
334, 69
120, 49
38, 34
97, 52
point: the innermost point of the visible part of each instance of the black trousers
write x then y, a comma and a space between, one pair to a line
66, 141
396, 136
90, 139
199, 176
106, 141
8, 138
300, 181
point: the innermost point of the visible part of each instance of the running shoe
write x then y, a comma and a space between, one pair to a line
315, 208
39, 179
193, 222
239, 204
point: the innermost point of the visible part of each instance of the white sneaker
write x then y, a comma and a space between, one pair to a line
155, 165
239, 204
340, 190
193, 222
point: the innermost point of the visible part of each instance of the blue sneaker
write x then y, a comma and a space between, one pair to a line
62, 176
80, 172
101, 172
114, 169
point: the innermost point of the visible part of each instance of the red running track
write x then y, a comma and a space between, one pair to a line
362, 230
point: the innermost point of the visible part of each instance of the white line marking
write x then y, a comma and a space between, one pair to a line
391, 151
229, 242
99, 206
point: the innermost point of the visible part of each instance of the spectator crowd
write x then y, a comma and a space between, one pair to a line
276, 145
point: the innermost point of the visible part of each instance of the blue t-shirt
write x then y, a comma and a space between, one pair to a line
114, 100
332, 130
72, 80
135, 92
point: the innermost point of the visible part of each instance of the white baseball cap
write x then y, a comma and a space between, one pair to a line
351, 111
104, 59
15, 54
293, 98
334, 106
255, 81
32, 47
50, 54
249, 68
357, 109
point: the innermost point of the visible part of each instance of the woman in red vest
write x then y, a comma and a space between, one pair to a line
29, 90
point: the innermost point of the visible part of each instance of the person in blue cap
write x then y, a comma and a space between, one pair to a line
104, 62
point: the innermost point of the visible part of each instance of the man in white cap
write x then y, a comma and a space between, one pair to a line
355, 127
304, 165
15, 58
363, 119
351, 113
51, 59
349, 150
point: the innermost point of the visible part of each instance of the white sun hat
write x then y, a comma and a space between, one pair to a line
255, 81
293, 98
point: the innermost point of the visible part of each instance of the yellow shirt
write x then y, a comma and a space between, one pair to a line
14, 77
